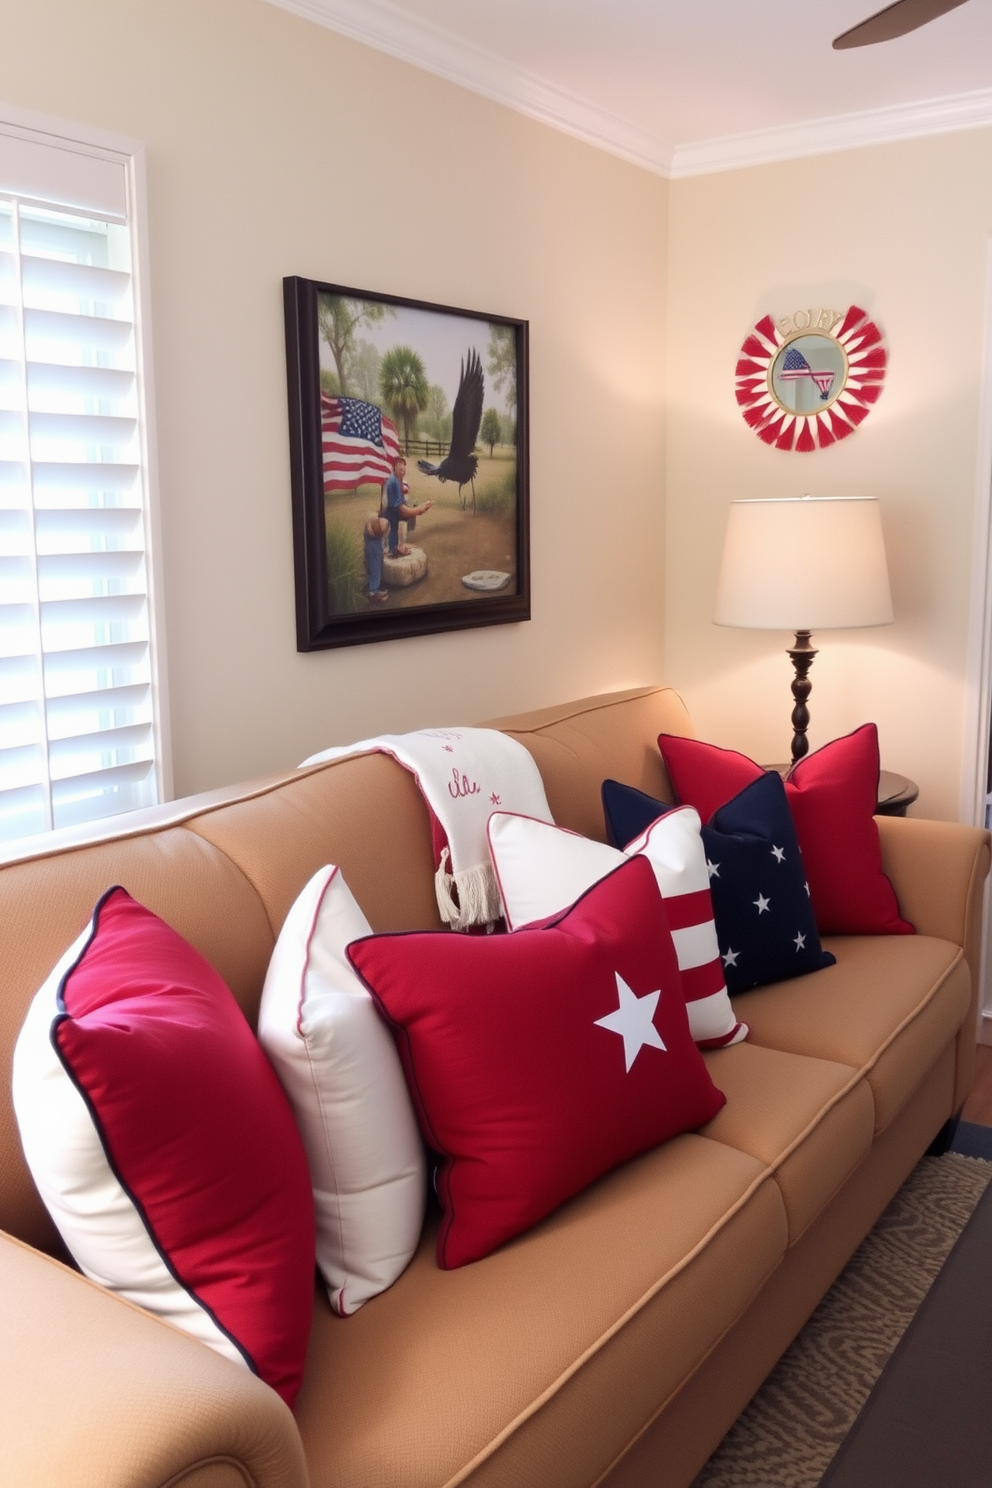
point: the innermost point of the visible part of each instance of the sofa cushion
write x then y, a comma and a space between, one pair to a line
162, 1143
576, 744
886, 1008
537, 1061
338, 1064
542, 1362
764, 920
832, 795
542, 869
281, 835
810, 1120
47, 894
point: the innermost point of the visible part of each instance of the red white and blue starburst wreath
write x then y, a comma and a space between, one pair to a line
802, 384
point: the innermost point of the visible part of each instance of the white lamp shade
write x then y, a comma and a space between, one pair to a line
804, 563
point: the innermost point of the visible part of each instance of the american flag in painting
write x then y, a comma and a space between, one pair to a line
358, 443
795, 366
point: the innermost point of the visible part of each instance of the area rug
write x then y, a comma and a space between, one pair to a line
790, 1431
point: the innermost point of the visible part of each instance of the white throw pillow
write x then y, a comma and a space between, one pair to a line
542, 869
339, 1066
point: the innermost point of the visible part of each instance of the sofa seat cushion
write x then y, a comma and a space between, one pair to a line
540, 1363
810, 1120
886, 1008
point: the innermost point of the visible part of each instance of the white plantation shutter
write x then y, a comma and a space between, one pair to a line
78, 735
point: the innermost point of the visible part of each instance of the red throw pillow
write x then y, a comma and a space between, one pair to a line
832, 795
538, 1061
163, 1145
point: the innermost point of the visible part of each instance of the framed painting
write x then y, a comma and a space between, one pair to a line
408, 456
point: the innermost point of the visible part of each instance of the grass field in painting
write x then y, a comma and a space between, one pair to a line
455, 541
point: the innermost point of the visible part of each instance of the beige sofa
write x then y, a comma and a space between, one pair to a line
618, 1340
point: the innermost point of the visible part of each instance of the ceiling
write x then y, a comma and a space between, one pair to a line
687, 86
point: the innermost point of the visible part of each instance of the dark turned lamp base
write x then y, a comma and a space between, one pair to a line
802, 654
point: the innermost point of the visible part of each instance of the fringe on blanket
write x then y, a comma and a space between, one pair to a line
467, 898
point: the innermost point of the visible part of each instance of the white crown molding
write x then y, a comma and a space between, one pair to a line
842, 132
388, 28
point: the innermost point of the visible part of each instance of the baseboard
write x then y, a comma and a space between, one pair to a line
970, 1140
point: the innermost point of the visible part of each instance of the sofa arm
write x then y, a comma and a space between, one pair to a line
95, 1393
938, 870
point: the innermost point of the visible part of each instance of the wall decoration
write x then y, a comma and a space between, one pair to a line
808, 380
408, 458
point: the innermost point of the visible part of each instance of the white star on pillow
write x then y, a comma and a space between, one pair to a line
633, 1021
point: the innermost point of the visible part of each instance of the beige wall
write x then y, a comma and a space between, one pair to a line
277, 147
901, 230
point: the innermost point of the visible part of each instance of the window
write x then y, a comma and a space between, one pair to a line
80, 706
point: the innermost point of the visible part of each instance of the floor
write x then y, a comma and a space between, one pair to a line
978, 1106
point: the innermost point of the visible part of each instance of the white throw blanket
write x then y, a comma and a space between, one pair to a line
464, 774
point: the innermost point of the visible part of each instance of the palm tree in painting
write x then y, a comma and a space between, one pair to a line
404, 387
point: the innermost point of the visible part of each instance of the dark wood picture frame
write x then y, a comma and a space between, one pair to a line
333, 607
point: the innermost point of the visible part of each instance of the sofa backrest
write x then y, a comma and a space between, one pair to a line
577, 745
224, 868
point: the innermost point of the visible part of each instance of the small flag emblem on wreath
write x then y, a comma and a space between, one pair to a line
809, 380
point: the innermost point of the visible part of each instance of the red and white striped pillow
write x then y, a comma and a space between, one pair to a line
542, 869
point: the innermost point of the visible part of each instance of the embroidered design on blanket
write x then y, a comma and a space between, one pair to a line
463, 775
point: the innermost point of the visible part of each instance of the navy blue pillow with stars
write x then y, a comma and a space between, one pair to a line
761, 905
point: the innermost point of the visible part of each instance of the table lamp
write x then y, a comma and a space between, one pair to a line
804, 563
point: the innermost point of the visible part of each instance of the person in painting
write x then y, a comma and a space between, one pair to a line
373, 533
394, 506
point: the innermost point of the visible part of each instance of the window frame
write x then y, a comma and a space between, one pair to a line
91, 144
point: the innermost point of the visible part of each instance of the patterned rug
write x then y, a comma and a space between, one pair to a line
794, 1425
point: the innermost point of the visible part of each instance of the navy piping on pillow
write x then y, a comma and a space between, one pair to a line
66, 1017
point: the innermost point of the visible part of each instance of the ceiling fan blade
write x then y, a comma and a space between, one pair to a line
894, 20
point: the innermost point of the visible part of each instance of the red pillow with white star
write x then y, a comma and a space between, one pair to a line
540, 1060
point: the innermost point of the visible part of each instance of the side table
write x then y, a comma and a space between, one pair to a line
895, 793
